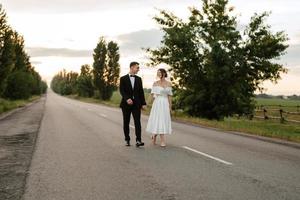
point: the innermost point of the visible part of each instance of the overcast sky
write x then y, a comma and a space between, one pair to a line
63, 33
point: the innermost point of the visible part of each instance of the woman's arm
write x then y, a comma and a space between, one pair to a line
170, 96
170, 102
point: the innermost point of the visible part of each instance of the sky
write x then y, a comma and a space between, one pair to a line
63, 33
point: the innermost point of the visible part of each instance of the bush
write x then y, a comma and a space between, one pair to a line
19, 85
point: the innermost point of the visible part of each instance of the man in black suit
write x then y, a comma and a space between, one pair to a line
133, 100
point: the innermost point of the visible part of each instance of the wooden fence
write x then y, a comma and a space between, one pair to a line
278, 112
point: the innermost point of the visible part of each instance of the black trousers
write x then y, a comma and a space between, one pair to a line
136, 113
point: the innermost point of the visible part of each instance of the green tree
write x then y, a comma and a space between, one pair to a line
216, 68
65, 83
85, 82
7, 53
18, 78
72, 82
112, 70
99, 65
30, 83
44, 87
22, 59
19, 85
106, 68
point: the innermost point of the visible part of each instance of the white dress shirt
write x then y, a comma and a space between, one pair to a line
132, 80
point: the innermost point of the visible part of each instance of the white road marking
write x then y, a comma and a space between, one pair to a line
89, 109
103, 115
206, 155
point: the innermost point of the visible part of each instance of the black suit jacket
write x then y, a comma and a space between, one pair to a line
136, 94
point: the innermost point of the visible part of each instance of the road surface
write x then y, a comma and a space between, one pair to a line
81, 155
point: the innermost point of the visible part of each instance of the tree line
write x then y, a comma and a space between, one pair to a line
268, 96
18, 78
98, 81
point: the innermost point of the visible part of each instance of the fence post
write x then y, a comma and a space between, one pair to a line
265, 114
281, 116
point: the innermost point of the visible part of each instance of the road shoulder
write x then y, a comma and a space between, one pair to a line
18, 133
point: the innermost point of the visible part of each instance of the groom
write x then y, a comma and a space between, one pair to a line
133, 100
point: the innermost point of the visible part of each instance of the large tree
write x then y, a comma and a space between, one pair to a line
216, 67
7, 52
112, 70
99, 65
18, 78
106, 68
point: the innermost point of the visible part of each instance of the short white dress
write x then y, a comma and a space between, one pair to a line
159, 121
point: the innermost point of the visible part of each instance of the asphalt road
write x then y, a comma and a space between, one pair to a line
80, 154
18, 132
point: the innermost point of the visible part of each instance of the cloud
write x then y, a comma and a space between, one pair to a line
59, 52
130, 44
60, 6
133, 43
291, 58
71, 6
36, 62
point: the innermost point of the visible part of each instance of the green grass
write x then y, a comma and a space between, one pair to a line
273, 129
7, 105
277, 102
274, 105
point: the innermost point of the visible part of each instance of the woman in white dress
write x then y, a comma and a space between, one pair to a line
159, 122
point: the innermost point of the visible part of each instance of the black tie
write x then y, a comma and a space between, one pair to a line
132, 75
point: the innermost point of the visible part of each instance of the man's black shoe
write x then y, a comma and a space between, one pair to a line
139, 144
128, 143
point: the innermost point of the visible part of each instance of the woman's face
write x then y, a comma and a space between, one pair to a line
159, 74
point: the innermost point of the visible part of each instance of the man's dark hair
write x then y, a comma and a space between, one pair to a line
134, 63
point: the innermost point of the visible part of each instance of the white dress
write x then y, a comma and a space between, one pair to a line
159, 121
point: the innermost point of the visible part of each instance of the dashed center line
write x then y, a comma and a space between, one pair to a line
207, 155
103, 115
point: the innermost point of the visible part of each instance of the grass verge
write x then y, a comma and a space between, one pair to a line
7, 105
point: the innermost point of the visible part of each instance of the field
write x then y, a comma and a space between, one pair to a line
277, 102
278, 109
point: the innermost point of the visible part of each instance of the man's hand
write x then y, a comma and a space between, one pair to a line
144, 107
129, 102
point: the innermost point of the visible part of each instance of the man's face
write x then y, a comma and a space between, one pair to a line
135, 69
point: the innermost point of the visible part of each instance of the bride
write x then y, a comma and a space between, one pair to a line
159, 122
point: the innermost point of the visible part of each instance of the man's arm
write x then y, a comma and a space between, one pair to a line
142, 94
123, 90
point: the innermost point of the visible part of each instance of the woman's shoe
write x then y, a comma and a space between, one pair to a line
153, 138
163, 145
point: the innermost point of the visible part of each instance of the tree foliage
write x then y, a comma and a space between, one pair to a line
18, 78
85, 82
65, 83
216, 67
106, 68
